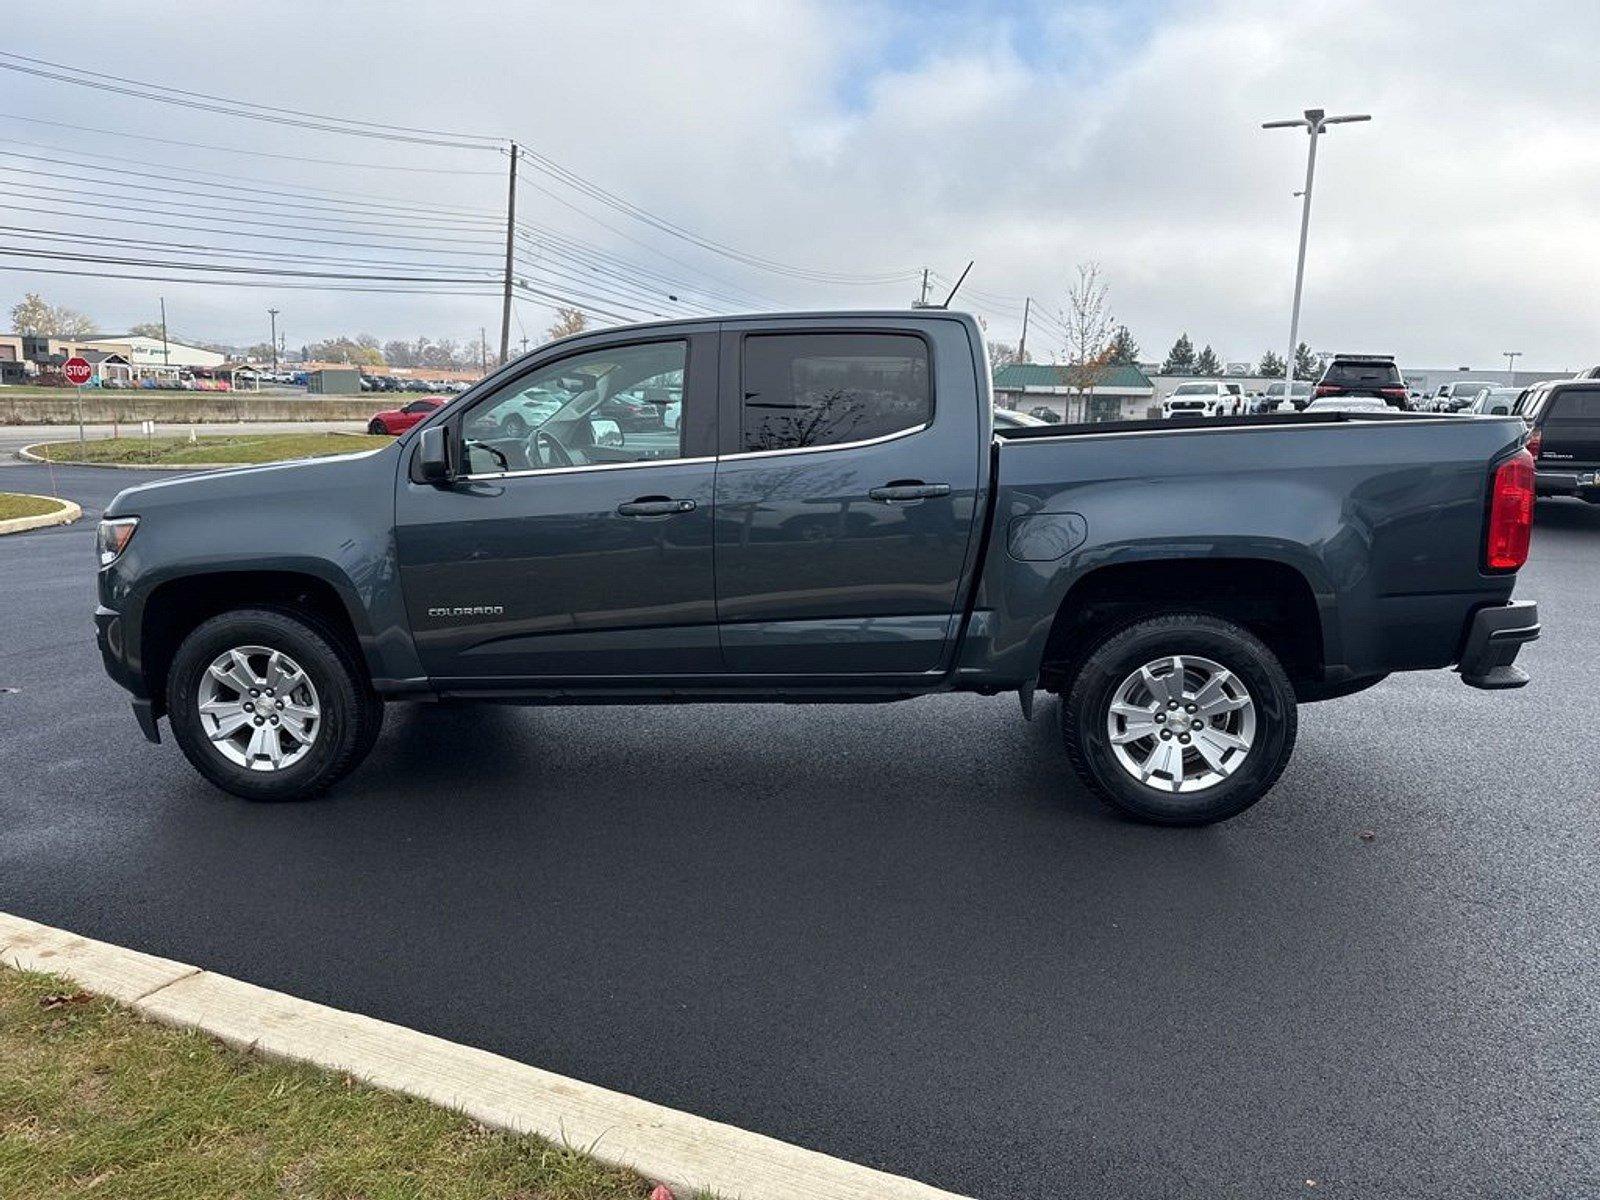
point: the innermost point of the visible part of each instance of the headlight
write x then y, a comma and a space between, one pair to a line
115, 534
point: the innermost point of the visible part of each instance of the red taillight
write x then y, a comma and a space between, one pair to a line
1536, 442
1510, 513
1327, 389
1393, 394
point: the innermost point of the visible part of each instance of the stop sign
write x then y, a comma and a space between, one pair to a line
77, 371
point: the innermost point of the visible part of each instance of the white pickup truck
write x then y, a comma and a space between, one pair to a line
1204, 398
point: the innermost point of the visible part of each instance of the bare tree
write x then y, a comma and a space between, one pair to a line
568, 322
1090, 332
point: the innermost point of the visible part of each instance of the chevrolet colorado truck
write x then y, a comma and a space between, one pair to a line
834, 517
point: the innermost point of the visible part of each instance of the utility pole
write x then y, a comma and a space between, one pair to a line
166, 358
483, 349
922, 300
1022, 343
524, 345
1511, 366
511, 220
273, 313
1314, 121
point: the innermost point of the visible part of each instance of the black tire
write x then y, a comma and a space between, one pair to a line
376, 426
1086, 705
352, 715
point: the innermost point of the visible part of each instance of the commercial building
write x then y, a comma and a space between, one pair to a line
1122, 393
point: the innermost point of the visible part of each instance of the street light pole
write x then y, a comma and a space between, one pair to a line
1511, 365
1314, 122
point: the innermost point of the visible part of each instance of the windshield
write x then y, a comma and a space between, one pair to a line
1195, 389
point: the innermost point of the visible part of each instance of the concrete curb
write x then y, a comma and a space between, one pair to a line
680, 1149
26, 454
66, 514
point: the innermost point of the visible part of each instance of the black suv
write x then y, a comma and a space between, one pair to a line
1564, 436
1363, 375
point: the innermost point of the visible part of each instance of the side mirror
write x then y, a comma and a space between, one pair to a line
435, 454
603, 432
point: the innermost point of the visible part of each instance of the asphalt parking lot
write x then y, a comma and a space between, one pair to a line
903, 934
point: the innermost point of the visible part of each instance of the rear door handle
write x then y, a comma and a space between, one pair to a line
654, 506
899, 493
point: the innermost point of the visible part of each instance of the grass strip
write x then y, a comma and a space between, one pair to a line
95, 1101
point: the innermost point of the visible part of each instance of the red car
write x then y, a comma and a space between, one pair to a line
398, 420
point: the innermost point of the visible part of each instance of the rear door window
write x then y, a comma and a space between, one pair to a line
829, 389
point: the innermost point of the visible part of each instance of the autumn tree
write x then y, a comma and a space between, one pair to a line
568, 322
35, 317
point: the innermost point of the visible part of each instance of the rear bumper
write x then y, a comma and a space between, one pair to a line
1576, 481
1494, 636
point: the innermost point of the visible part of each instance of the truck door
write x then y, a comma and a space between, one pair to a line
845, 496
572, 546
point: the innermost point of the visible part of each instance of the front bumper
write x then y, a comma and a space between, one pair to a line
1494, 636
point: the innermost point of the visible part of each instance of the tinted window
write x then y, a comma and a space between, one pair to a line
1194, 389
825, 389
1574, 407
1362, 374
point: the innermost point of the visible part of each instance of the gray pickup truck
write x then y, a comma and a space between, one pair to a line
818, 507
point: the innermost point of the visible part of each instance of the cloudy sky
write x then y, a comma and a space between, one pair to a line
845, 146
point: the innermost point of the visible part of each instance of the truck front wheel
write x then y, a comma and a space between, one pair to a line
269, 706
1180, 719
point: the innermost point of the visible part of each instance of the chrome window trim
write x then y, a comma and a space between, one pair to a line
622, 466
874, 441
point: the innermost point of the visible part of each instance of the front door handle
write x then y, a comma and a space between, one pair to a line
654, 506
911, 489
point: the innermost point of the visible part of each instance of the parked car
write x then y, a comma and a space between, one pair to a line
1563, 421
1045, 413
1372, 375
1204, 398
1271, 398
1494, 402
1453, 397
1349, 404
1010, 418
398, 420
842, 523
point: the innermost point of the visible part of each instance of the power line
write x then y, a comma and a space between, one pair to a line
227, 268
276, 237
208, 213
234, 108
57, 153
321, 287
326, 162
473, 223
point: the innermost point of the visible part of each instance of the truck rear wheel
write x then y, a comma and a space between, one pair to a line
1180, 719
269, 706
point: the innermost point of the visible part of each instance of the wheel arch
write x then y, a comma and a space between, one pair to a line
176, 606
1271, 598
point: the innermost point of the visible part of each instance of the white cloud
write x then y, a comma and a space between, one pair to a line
1458, 224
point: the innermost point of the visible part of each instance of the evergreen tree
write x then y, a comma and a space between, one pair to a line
1124, 351
1208, 363
1270, 366
1306, 364
1180, 359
